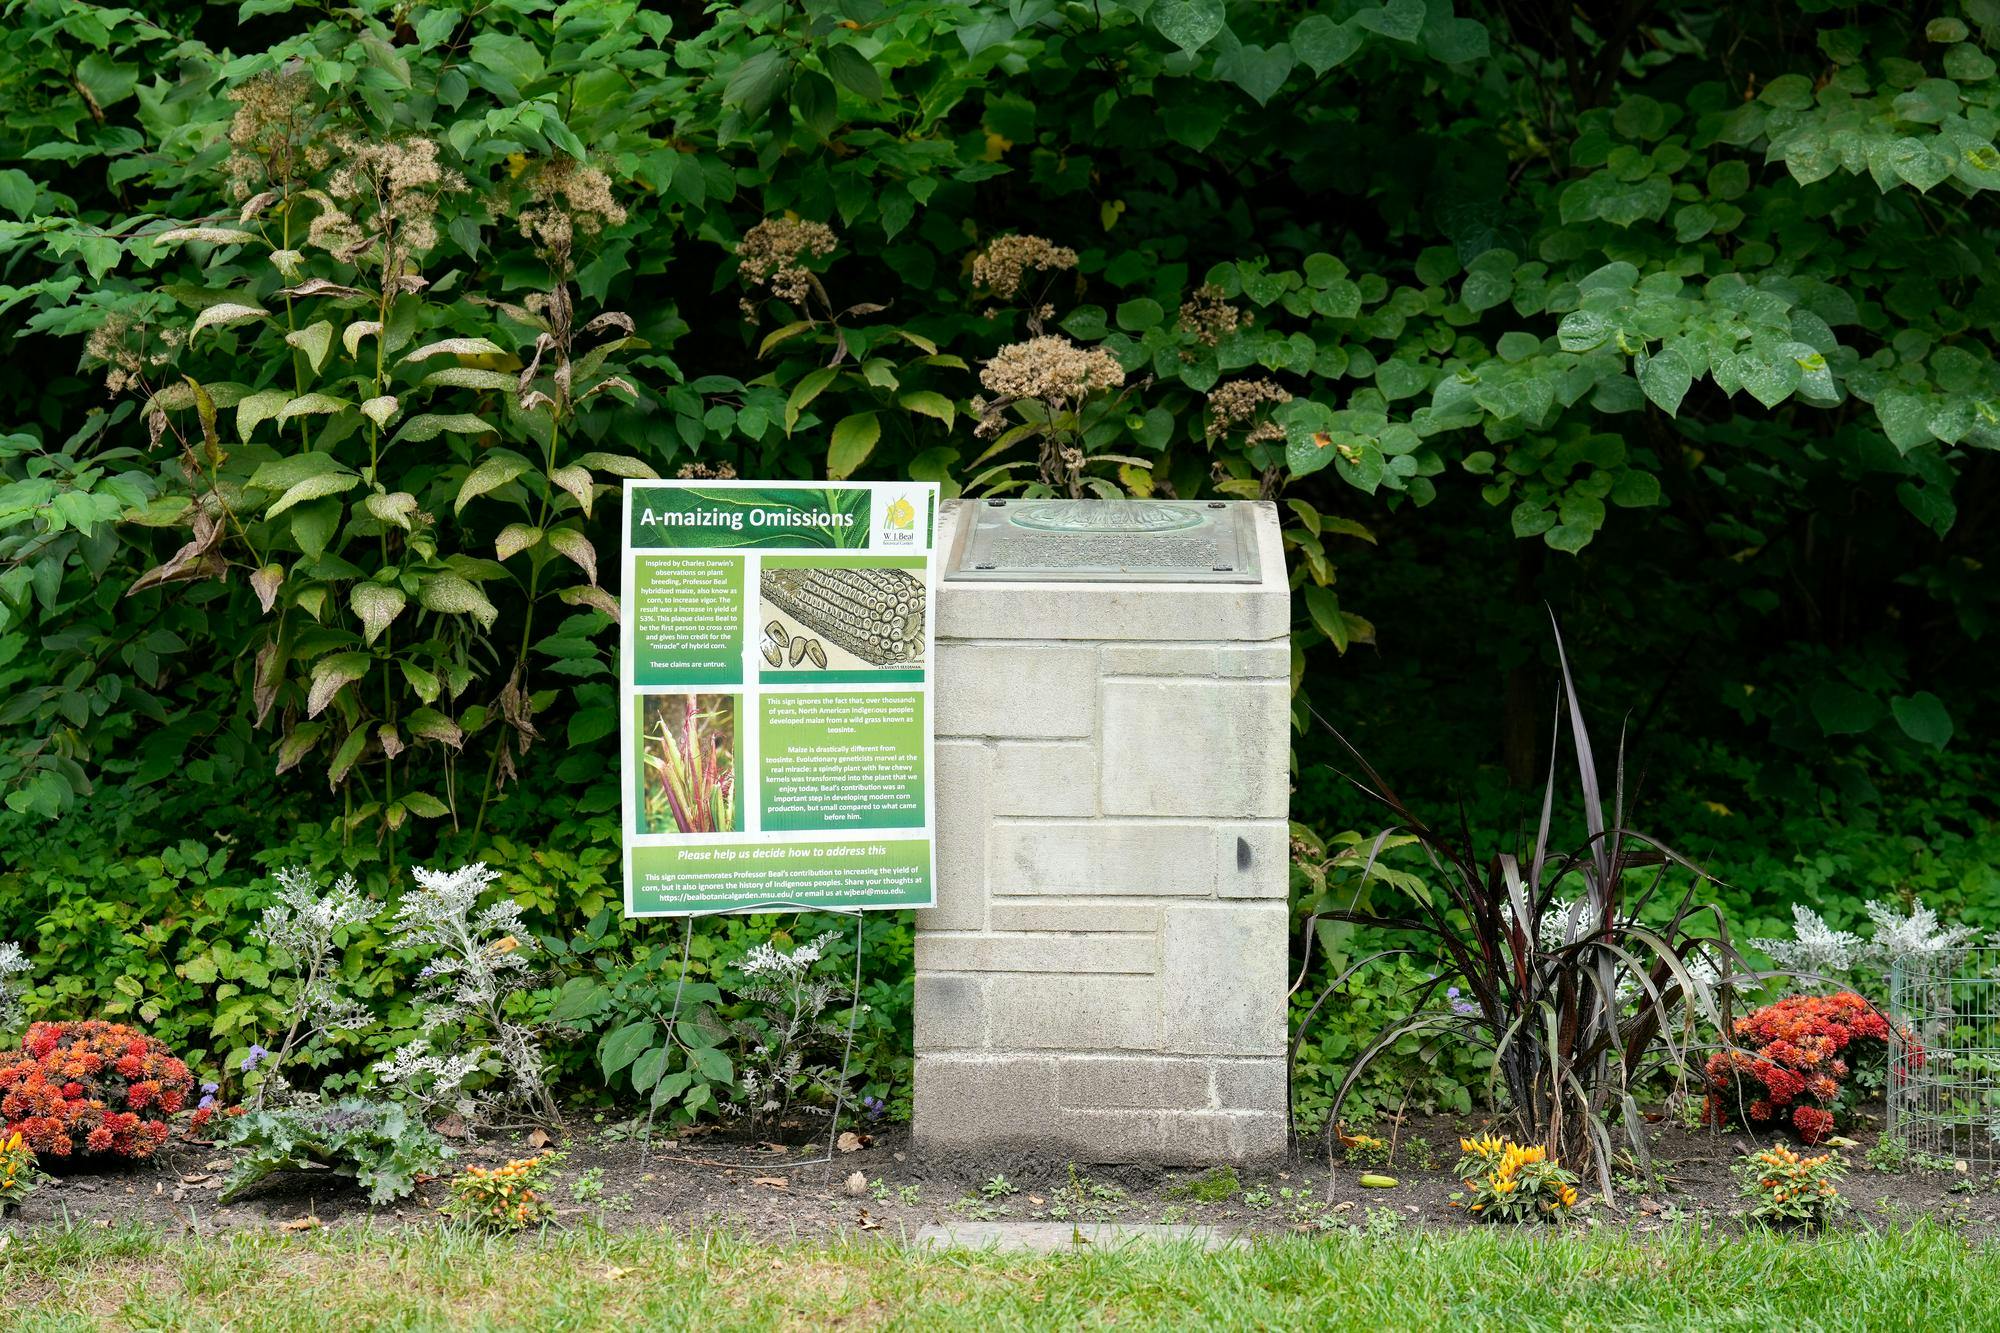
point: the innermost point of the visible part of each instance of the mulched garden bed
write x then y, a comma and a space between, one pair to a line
763, 1191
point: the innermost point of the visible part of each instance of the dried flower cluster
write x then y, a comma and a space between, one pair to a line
1052, 370
270, 134
382, 193
1209, 316
774, 252
1795, 1071
704, 472
127, 349
567, 199
1002, 266
96, 1089
1237, 403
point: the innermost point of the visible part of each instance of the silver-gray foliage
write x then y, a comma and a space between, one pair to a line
14, 965
1820, 953
477, 957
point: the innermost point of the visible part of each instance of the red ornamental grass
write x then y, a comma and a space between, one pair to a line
91, 1089
1794, 1073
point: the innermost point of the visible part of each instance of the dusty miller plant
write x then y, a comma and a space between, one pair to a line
785, 1040
14, 965
305, 925
476, 964
1819, 955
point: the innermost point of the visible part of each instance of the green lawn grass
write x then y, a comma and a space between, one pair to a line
91, 1278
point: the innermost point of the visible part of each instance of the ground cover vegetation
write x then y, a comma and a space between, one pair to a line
90, 1278
329, 333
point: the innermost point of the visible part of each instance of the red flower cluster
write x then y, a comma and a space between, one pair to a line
1796, 1062
81, 1088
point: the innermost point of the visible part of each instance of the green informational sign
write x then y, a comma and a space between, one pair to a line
776, 671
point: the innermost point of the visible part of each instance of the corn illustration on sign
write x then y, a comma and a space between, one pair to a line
775, 678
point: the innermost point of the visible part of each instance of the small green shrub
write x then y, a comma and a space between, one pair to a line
1782, 1186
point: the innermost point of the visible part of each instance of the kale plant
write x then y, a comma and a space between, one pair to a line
380, 1144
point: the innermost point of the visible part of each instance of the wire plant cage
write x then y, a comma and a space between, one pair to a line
1944, 1055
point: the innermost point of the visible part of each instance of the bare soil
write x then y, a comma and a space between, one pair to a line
784, 1191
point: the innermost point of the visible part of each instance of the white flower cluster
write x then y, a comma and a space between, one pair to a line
13, 965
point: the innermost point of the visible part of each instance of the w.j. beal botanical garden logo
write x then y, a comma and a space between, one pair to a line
899, 523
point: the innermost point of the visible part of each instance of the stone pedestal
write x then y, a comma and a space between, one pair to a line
1104, 975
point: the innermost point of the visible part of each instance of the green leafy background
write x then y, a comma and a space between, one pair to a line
1674, 317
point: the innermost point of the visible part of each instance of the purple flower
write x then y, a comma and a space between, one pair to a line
1463, 1008
207, 1099
209, 1089
251, 1060
874, 1107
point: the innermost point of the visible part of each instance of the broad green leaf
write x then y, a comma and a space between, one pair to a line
457, 347
311, 404
312, 488
428, 426
397, 508
1188, 24
451, 594
1324, 608
381, 410
1665, 379
514, 539
854, 439
1322, 44
257, 408
809, 387
315, 340
576, 548
1400, 19
224, 313
931, 404
853, 72
493, 472
332, 672
1923, 718
376, 605
618, 465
